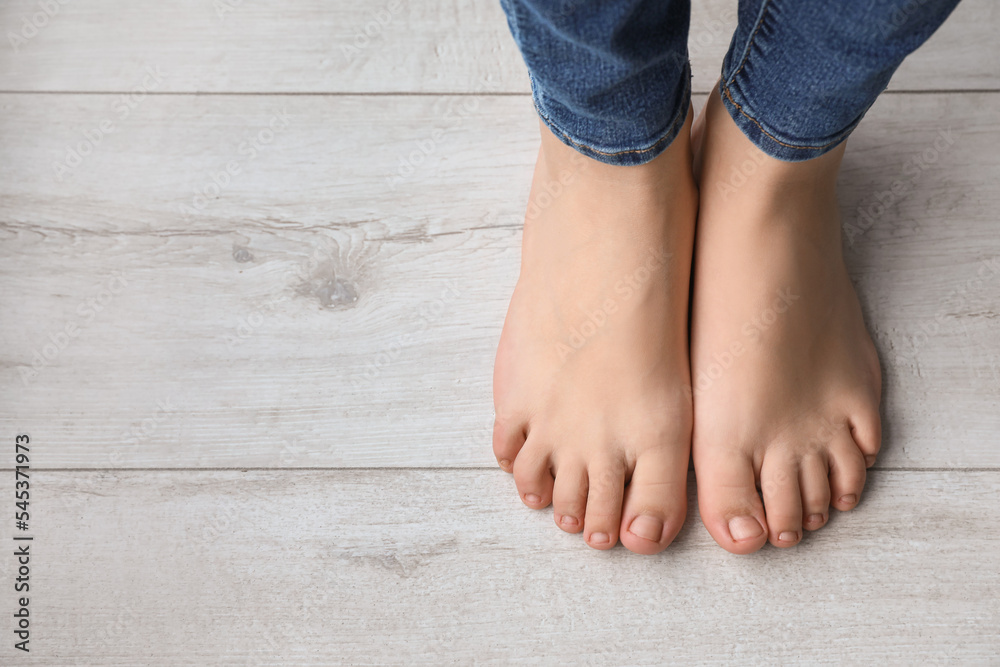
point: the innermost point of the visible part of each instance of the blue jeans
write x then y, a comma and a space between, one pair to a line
611, 77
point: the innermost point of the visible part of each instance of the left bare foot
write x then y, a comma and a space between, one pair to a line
786, 379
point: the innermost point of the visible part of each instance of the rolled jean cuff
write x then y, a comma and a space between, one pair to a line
752, 122
620, 141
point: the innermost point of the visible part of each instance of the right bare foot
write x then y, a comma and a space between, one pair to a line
592, 384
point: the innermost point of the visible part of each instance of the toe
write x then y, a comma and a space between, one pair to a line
606, 481
508, 438
655, 500
569, 497
728, 501
779, 484
814, 483
866, 430
533, 477
847, 472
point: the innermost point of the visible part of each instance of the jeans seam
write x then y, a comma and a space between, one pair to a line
753, 36
739, 107
770, 136
637, 151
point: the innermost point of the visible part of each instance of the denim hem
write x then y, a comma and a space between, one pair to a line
645, 149
752, 122
771, 141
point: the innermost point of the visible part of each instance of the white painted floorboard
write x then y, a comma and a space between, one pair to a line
440, 567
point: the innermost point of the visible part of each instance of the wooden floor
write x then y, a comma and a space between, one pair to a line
254, 267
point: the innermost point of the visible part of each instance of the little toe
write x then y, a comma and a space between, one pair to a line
655, 501
814, 483
569, 497
606, 482
508, 438
728, 501
847, 473
533, 477
779, 484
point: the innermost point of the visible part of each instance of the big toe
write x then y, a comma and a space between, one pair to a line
655, 501
728, 501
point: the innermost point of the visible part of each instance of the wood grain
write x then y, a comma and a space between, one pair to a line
446, 567
460, 46
312, 314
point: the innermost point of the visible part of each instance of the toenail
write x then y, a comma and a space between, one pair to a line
744, 528
815, 518
599, 538
788, 536
504, 463
568, 521
646, 527
532, 499
869, 461
849, 499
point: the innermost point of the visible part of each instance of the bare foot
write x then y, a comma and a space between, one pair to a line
786, 378
592, 383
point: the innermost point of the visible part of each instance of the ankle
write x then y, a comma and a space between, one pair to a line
730, 161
